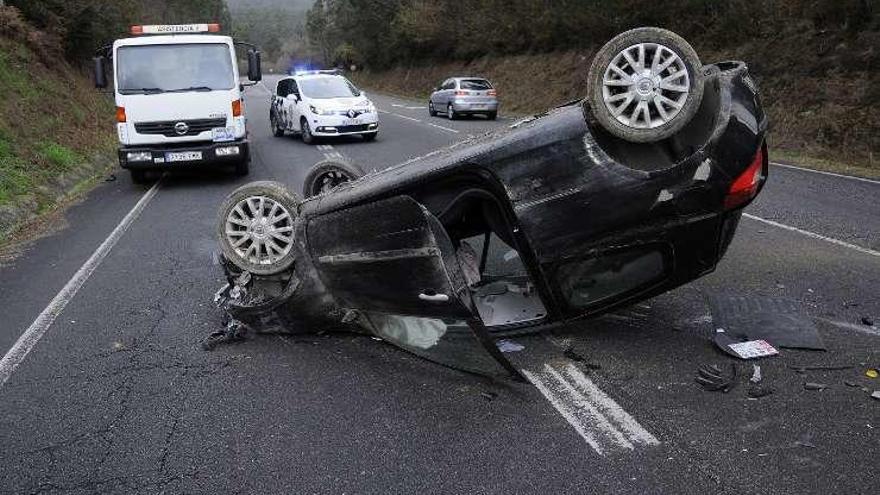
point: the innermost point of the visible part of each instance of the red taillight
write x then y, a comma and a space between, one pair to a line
236, 108
492, 92
120, 115
745, 187
462, 93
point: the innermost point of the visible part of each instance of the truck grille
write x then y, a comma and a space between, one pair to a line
168, 128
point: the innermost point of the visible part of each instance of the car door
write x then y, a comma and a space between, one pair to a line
436, 95
393, 263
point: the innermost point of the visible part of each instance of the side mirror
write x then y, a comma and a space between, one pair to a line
100, 72
255, 70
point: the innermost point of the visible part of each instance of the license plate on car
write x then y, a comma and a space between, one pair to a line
223, 134
352, 122
183, 156
480, 107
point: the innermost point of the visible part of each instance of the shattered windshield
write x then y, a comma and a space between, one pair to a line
147, 69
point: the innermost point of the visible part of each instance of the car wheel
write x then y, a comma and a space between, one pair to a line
492, 115
306, 132
370, 136
138, 176
256, 227
645, 85
327, 174
277, 131
431, 110
450, 112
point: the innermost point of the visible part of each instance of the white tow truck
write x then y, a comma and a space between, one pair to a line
178, 98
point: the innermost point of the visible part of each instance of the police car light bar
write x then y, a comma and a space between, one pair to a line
174, 28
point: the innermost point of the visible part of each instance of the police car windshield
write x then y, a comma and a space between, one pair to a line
328, 87
150, 69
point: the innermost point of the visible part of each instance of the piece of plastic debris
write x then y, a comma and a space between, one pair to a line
872, 373
851, 384
757, 391
868, 321
570, 353
876, 395
489, 395
814, 386
753, 349
756, 374
711, 378
509, 346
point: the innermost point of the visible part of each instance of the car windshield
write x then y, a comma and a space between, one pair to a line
328, 87
168, 68
475, 84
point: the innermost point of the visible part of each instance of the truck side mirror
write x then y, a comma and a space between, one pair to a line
100, 73
255, 70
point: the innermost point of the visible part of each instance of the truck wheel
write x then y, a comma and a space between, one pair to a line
256, 227
645, 84
327, 174
306, 132
276, 130
138, 176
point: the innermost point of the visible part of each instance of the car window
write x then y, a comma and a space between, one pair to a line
328, 87
475, 84
282, 90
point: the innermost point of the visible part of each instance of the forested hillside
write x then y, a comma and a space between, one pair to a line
816, 60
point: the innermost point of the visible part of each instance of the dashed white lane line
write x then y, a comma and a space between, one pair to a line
38, 328
405, 117
598, 419
408, 107
822, 172
443, 127
814, 235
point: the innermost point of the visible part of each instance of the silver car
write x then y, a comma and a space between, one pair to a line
458, 96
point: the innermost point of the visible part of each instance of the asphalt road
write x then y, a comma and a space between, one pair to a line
118, 396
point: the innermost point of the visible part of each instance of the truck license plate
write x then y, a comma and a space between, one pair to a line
183, 156
223, 134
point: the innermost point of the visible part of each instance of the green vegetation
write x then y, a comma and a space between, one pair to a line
815, 60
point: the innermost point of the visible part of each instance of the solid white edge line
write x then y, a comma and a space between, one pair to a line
38, 328
814, 235
557, 404
822, 172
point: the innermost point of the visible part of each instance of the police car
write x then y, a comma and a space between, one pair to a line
321, 104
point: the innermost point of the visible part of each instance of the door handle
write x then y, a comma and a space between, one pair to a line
434, 297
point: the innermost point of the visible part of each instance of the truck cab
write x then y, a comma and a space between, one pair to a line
178, 99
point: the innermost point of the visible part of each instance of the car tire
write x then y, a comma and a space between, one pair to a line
245, 231
327, 174
450, 112
276, 130
306, 132
492, 115
138, 176
370, 136
431, 110
647, 106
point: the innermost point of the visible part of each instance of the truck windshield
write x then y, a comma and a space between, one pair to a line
328, 87
168, 68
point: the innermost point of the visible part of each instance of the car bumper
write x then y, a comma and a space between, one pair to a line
337, 125
475, 107
161, 157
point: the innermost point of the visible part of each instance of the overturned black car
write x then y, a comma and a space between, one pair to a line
602, 202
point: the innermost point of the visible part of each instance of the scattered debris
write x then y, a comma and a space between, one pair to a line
814, 386
756, 374
872, 373
110, 178
489, 395
711, 378
753, 349
851, 384
868, 321
570, 353
778, 321
757, 391
876, 395
509, 346
832, 367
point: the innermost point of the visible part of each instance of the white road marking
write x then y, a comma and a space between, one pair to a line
814, 235
407, 107
822, 172
324, 147
405, 117
442, 127
597, 418
38, 328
